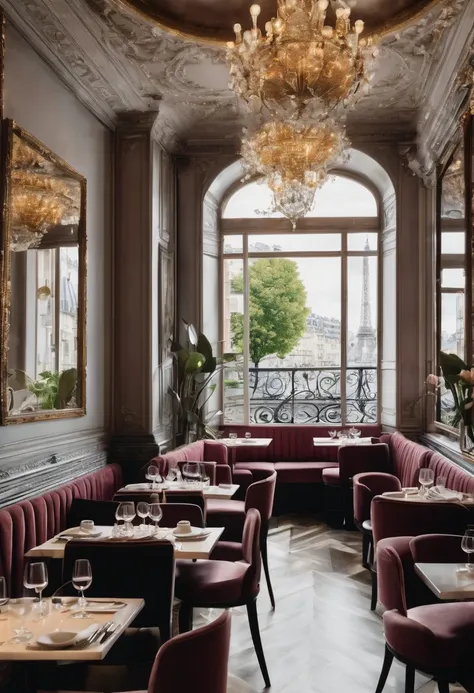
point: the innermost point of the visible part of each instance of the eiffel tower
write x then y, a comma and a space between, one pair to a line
364, 351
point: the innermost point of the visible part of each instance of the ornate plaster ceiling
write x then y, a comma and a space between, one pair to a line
212, 20
116, 62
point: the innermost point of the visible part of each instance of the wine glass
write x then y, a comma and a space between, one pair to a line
332, 434
143, 510
82, 580
36, 578
152, 474
3, 592
467, 545
232, 436
156, 514
172, 474
205, 479
248, 435
426, 479
441, 482
192, 472
126, 513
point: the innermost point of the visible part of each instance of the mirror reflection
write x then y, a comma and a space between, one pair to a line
44, 311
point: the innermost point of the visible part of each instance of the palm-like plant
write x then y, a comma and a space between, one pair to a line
459, 379
196, 367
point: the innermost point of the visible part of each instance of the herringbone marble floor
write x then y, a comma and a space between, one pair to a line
322, 637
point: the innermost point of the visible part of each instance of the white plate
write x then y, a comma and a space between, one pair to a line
62, 639
225, 486
77, 533
193, 534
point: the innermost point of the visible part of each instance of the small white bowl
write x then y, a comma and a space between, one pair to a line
183, 527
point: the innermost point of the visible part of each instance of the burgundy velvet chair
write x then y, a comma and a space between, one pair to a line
144, 570
101, 512
338, 481
174, 512
231, 515
435, 639
365, 487
437, 548
204, 653
225, 584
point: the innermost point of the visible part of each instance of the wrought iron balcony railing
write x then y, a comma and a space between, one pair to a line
308, 396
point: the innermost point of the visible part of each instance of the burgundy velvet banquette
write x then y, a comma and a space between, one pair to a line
34, 521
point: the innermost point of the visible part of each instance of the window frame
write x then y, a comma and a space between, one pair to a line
246, 227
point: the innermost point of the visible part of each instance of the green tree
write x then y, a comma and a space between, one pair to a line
277, 304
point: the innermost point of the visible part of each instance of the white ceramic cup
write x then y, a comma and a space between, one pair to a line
87, 526
183, 527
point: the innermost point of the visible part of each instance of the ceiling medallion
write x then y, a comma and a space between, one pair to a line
295, 160
301, 66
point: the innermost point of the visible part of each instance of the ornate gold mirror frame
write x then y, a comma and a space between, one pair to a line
42, 282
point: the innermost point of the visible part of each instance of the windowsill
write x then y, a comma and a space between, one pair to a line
449, 447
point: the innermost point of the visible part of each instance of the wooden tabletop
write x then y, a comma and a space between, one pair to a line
243, 442
220, 492
447, 580
337, 441
189, 548
61, 619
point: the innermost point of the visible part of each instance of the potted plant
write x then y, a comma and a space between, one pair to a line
459, 379
196, 367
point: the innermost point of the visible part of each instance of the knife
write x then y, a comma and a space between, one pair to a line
105, 635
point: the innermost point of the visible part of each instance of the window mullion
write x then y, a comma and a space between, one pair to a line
246, 339
343, 327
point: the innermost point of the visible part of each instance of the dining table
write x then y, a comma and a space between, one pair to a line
220, 492
336, 442
233, 444
59, 618
413, 495
448, 581
191, 549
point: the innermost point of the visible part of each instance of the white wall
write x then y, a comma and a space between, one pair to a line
39, 102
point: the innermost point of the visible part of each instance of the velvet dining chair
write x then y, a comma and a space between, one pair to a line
225, 584
194, 662
100, 512
435, 639
231, 514
365, 486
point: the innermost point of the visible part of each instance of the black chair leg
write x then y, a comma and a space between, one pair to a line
373, 599
387, 663
264, 552
443, 686
410, 680
257, 641
185, 618
365, 550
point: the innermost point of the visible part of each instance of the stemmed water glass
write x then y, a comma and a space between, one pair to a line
467, 545
36, 578
3, 592
143, 510
153, 474
82, 580
232, 436
248, 435
205, 479
192, 472
126, 513
426, 479
155, 513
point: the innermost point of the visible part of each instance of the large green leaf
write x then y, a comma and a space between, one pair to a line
451, 364
195, 362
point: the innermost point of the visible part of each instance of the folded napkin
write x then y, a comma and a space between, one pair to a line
443, 494
138, 487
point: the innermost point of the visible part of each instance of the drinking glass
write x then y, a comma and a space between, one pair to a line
467, 545
82, 580
248, 435
332, 434
21, 608
156, 514
143, 511
441, 482
172, 474
126, 513
3, 591
426, 479
232, 436
36, 578
205, 480
152, 474
192, 472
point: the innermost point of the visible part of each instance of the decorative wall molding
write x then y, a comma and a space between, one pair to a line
34, 466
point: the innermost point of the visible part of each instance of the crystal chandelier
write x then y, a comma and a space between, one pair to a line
38, 202
295, 159
301, 66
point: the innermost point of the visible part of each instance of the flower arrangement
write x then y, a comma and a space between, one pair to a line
458, 378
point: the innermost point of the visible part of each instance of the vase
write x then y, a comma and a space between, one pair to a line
466, 437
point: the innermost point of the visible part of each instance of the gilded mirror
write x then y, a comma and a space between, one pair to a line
43, 281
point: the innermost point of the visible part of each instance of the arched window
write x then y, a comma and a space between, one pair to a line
303, 308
